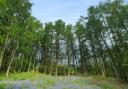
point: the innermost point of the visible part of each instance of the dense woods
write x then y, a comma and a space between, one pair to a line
96, 45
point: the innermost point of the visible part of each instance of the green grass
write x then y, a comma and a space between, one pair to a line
32, 76
103, 83
108, 83
3, 86
95, 81
24, 76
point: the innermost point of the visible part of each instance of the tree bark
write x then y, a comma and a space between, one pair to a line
12, 58
4, 48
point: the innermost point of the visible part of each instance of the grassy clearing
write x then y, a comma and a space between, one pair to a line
103, 83
38, 79
22, 76
45, 81
3, 85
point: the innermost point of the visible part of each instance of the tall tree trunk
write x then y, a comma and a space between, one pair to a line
12, 58
50, 72
4, 48
21, 65
34, 65
116, 74
69, 56
45, 69
56, 70
29, 66
57, 56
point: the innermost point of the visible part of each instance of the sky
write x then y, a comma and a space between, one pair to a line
67, 10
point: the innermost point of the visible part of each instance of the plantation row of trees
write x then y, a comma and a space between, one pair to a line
97, 44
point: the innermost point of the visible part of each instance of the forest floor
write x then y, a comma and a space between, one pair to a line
42, 81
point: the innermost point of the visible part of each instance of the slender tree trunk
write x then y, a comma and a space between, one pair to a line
94, 57
69, 56
52, 57
21, 65
30, 63
103, 66
56, 70
50, 68
57, 56
103, 61
112, 58
4, 48
34, 65
45, 69
122, 23
64, 72
12, 58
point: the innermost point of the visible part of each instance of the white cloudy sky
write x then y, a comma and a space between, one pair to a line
67, 10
